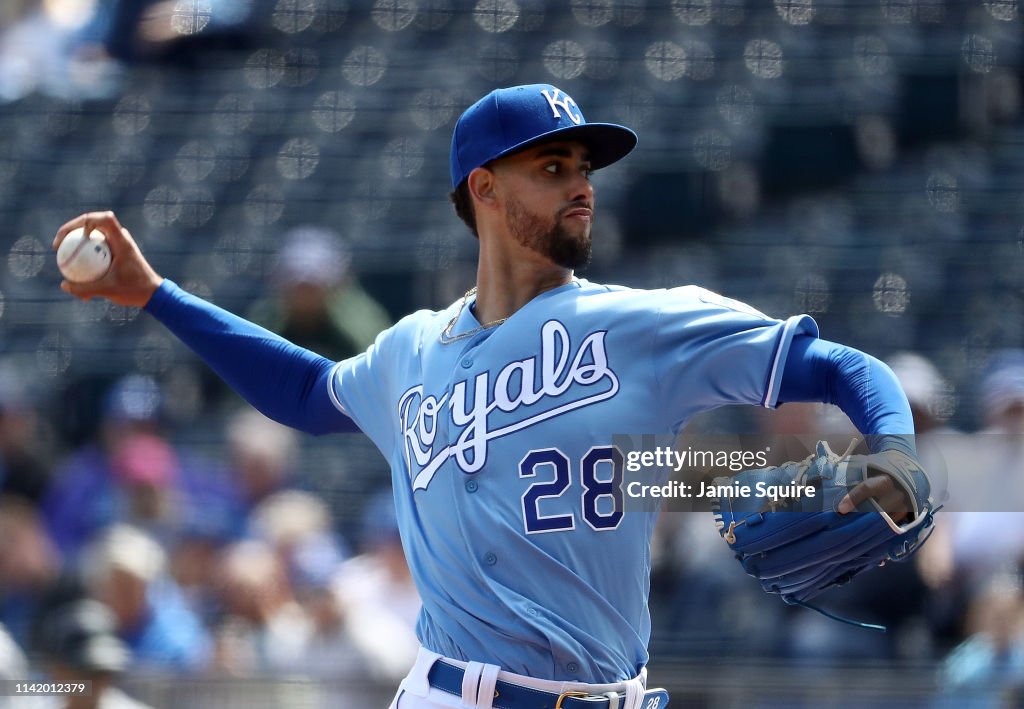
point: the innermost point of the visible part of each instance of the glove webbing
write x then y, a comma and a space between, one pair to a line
730, 534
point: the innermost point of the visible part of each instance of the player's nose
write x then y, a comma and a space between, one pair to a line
580, 189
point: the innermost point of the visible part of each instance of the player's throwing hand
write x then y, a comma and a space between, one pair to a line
130, 280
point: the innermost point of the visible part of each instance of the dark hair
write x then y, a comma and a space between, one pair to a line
463, 202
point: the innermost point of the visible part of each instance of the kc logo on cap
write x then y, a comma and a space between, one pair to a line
566, 104
506, 121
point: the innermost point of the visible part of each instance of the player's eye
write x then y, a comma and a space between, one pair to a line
556, 168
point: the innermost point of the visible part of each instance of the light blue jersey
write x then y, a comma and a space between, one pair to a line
508, 490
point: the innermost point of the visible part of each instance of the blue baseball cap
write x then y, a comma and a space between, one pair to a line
508, 120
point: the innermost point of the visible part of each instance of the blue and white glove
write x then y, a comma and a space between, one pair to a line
799, 546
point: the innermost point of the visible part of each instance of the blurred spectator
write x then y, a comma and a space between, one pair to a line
298, 526
929, 394
191, 563
987, 669
1002, 394
377, 596
987, 477
263, 628
24, 469
262, 455
75, 48
43, 49
12, 10
261, 458
131, 473
13, 665
90, 491
317, 301
29, 565
135, 30
126, 570
706, 594
146, 468
931, 403
78, 643
796, 427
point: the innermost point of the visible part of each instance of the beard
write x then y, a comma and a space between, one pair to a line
549, 239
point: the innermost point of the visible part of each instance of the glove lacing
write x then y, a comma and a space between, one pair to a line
801, 474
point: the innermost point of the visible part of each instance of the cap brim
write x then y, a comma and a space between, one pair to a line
606, 142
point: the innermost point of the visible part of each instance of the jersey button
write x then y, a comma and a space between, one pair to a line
471, 486
467, 363
572, 667
490, 558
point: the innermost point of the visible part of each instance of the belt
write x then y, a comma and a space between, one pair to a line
448, 678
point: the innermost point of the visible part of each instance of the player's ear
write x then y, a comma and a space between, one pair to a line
481, 183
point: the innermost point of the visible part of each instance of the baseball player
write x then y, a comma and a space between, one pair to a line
496, 413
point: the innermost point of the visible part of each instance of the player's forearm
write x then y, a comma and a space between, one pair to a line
287, 383
862, 386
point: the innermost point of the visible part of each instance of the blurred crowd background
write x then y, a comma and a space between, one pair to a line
858, 160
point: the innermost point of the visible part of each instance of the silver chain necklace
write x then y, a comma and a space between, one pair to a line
446, 335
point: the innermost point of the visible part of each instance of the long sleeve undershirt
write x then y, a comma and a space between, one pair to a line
290, 384
284, 381
862, 386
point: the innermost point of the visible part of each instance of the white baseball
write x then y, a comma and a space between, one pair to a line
83, 260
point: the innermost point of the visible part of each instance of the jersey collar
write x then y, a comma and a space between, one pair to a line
467, 320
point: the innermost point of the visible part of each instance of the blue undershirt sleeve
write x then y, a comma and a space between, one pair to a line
862, 386
285, 382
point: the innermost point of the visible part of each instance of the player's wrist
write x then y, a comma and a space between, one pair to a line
154, 285
884, 442
908, 475
155, 299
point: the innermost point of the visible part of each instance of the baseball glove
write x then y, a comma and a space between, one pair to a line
799, 546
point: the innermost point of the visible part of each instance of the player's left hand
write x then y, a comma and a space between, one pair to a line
891, 479
801, 546
883, 489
